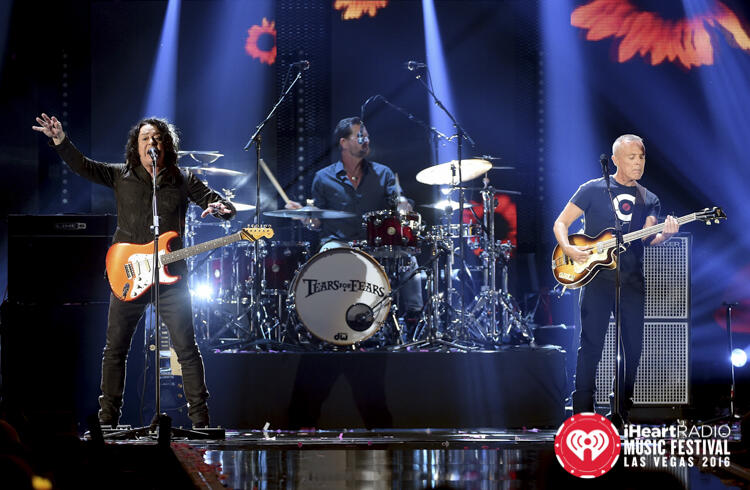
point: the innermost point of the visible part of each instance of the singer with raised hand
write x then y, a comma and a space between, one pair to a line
635, 208
152, 143
358, 185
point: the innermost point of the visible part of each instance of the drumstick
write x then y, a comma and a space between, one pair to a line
274, 181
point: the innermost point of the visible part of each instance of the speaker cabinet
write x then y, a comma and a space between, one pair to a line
51, 361
58, 259
663, 373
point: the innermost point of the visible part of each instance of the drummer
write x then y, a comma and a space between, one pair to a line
358, 185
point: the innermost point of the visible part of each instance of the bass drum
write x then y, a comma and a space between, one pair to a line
341, 296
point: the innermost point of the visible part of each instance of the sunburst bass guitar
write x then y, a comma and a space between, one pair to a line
574, 275
129, 266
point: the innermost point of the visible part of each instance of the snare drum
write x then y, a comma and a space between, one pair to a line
341, 296
392, 233
281, 261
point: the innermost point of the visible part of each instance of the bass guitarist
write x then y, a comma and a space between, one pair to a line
636, 208
132, 186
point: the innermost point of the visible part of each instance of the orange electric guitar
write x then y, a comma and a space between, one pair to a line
129, 266
574, 275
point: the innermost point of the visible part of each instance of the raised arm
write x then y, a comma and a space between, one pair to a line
97, 172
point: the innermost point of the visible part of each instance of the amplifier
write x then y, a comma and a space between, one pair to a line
58, 259
662, 377
663, 373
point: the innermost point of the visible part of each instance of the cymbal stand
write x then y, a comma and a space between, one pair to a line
430, 322
485, 308
457, 181
255, 139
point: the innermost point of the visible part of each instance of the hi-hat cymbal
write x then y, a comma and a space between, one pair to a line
445, 204
204, 157
309, 212
214, 171
442, 174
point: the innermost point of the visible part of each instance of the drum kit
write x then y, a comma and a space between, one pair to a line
346, 296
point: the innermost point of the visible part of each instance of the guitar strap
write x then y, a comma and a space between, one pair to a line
639, 208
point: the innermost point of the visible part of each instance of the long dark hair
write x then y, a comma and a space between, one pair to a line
170, 141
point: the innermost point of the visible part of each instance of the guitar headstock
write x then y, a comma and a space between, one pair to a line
252, 233
711, 215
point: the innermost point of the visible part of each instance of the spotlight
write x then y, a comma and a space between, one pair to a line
202, 291
739, 358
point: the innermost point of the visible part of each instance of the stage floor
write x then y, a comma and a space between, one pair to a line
424, 458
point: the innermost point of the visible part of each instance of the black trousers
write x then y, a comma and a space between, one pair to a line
176, 312
597, 301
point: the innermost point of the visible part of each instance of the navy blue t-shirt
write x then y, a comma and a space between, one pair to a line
593, 199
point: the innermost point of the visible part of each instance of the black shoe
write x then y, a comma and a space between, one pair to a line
583, 402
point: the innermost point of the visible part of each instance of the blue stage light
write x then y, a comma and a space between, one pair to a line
739, 357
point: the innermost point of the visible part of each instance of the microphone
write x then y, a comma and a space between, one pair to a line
154, 154
360, 136
604, 160
413, 65
302, 65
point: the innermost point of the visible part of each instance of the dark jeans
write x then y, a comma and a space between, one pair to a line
176, 312
597, 301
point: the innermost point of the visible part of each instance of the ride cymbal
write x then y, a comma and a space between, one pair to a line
443, 174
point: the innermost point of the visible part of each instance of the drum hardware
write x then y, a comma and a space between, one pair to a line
427, 333
494, 304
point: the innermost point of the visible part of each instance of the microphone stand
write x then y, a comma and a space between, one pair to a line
256, 140
155, 292
619, 360
456, 171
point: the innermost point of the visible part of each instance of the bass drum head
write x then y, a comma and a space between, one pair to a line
341, 296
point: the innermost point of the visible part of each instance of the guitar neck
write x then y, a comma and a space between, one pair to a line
651, 230
184, 253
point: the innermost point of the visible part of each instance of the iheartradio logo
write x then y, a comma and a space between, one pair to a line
587, 445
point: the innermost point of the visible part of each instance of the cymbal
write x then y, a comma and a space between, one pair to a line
242, 207
442, 174
445, 203
309, 212
214, 171
204, 157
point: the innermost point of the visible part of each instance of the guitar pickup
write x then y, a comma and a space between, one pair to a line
129, 270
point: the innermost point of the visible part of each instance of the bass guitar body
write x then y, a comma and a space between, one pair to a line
573, 274
130, 270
